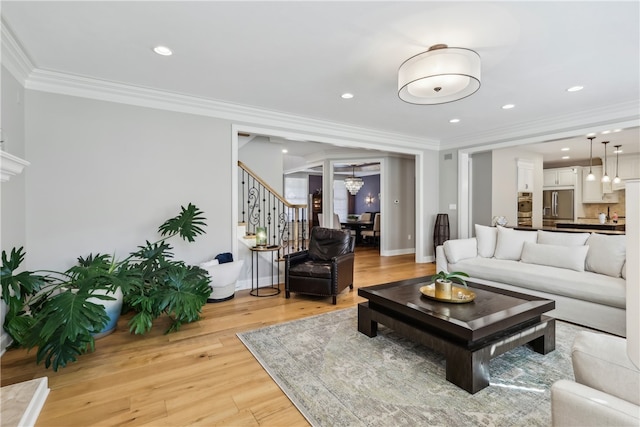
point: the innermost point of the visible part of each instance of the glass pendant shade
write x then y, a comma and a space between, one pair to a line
440, 75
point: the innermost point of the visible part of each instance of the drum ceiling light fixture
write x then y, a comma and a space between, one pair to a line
440, 75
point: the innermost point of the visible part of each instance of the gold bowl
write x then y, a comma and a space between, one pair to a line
458, 295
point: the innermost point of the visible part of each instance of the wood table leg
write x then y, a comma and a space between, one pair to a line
547, 342
469, 370
365, 324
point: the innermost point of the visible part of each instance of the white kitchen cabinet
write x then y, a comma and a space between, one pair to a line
560, 177
628, 168
525, 176
592, 191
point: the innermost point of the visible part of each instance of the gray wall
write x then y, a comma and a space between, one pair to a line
265, 159
104, 176
399, 184
13, 191
481, 189
448, 185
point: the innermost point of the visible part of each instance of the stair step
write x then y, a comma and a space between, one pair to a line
22, 402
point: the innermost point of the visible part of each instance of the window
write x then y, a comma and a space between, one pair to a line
340, 199
295, 190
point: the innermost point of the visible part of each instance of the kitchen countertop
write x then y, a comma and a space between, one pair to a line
591, 224
571, 230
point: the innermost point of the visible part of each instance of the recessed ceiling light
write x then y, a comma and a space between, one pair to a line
575, 88
618, 151
604, 132
591, 134
617, 130
565, 149
347, 95
454, 121
163, 50
508, 106
284, 150
565, 157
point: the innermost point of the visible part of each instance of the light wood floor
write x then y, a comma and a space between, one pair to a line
201, 375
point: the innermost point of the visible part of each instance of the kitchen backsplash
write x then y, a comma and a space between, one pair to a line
591, 210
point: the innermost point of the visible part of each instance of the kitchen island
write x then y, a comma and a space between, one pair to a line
592, 225
572, 230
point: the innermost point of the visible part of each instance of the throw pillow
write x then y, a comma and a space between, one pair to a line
487, 237
562, 239
606, 254
569, 257
510, 243
457, 250
208, 264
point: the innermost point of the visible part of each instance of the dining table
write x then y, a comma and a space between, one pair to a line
357, 226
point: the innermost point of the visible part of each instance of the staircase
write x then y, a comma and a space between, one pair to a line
287, 224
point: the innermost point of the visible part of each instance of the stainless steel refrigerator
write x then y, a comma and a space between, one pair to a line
557, 205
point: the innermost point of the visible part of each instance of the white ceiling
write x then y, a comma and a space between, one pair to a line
299, 57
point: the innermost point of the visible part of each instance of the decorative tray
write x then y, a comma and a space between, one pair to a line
458, 295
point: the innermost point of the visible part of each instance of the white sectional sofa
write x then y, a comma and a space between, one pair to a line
584, 273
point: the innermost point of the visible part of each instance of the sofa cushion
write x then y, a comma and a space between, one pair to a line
584, 285
562, 239
606, 254
459, 249
510, 242
487, 237
571, 257
205, 265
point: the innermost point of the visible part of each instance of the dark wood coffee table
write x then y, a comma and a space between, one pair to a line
469, 335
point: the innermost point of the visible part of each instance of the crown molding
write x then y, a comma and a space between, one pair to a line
624, 114
14, 58
10, 166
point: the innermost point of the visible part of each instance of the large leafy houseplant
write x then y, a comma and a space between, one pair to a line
57, 312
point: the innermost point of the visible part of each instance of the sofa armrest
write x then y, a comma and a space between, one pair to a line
441, 260
459, 249
295, 258
601, 362
574, 404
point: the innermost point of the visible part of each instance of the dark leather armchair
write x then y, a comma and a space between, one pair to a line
325, 269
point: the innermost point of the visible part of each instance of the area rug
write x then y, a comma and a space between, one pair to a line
337, 376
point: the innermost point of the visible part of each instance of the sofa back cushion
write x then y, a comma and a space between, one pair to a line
606, 254
487, 237
562, 239
327, 243
510, 243
569, 257
459, 249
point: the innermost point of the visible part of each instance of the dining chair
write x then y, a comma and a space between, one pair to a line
373, 235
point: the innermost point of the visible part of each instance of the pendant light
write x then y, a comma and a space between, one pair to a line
353, 183
617, 179
591, 176
605, 177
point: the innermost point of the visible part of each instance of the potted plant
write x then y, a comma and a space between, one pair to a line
444, 282
60, 312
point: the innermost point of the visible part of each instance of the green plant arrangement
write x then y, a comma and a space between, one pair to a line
456, 277
56, 312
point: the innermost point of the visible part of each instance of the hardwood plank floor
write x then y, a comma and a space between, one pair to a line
201, 375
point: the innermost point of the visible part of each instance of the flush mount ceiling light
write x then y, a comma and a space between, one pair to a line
605, 177
440, 75
353, 183
163, 50
591, 176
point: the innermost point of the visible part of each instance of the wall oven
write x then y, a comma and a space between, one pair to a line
525, 208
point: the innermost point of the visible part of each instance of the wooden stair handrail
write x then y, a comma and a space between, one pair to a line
268, 187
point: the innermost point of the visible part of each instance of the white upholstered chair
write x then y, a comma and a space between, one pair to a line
606, 390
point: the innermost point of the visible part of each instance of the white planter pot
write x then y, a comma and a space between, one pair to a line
113, 309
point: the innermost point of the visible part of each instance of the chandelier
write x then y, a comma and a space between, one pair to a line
353, 183
440, 75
